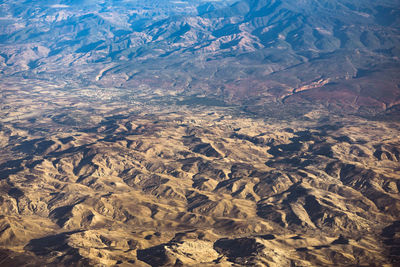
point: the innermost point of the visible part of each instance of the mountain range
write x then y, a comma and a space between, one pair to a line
199, 133
344, 55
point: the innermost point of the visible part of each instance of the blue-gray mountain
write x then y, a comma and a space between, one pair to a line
343, 54
199, 133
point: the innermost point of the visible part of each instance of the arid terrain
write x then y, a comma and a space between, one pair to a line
119, 183
199, 133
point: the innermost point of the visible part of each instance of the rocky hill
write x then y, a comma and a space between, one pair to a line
199, 133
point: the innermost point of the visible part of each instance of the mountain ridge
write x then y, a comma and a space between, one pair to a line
284, 33
188, 133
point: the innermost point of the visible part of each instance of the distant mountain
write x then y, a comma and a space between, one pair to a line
199, 133
341, 53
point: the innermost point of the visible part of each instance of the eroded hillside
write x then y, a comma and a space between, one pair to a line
122, 183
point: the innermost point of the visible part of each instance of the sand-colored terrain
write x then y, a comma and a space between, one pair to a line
86, 180
199, 133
